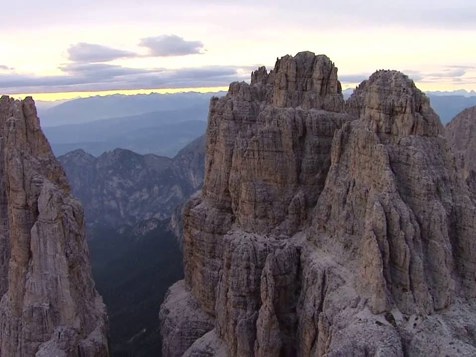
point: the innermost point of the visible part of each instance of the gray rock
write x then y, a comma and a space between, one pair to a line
461, 135
326, 229
48, 305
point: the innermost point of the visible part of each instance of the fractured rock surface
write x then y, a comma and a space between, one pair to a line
461, 135
48, 306
326, 228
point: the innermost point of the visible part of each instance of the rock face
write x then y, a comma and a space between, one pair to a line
325, 228
122, 188
461, 135
48, 305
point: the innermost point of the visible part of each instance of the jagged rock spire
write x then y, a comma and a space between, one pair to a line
48, 305
323, 230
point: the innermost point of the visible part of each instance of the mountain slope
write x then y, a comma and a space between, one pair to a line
132, 272
121, 187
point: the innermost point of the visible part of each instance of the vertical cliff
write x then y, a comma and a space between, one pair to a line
461, 135
48, 305
325, 228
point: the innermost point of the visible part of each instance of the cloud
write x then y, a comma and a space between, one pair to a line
5, 68
171, 45
100, 71
458, 74
100, 76
455, 73
159, 46
450, 72
414, 75
89, 52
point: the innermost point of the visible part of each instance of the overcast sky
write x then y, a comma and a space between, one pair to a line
59, 46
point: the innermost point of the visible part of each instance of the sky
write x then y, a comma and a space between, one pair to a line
55, 49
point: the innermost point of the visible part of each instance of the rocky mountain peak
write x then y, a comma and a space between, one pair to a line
79, 155
321, 232
268, 142
305, 80
48, 305
391, 105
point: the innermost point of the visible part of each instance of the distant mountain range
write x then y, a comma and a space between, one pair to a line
448, 106
122, 188
161, 132
85, 110
159, 123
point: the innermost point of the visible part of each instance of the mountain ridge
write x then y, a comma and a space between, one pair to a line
160, 132
89, 109
121, 187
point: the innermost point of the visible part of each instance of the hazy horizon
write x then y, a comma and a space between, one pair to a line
115, 46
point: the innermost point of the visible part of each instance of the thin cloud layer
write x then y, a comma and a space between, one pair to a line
424, 13
101, 71
105, 76
353, 78
5, 68
455, 74
100, 76
88, 52
171, 45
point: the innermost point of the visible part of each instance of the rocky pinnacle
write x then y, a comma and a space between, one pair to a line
325, 228
48, 306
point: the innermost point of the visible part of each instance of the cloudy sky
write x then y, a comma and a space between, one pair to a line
55, 46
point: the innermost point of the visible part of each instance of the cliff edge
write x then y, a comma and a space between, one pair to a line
48, 306
461, 135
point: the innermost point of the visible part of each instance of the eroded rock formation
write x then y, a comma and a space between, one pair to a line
461, 135
48, 306
326, 228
